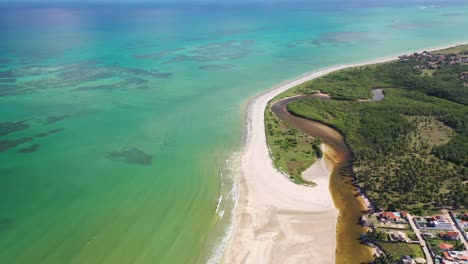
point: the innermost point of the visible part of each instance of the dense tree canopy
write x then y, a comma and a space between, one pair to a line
405, 155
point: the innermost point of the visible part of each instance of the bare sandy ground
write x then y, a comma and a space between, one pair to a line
276, 220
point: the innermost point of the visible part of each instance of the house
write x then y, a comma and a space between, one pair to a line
407, 260
440, 218
451, 235
436, 222
457, 256
447, 256
445, 247
398, 237
391, 216
463, 224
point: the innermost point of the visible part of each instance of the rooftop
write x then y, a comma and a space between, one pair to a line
445, 246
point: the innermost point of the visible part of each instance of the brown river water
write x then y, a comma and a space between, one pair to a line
349, 250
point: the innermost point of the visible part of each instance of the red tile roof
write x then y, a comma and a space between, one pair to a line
445, 246
447, 256
452, 233
388, 215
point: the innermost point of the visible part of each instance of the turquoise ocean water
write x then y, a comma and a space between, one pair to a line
116, 121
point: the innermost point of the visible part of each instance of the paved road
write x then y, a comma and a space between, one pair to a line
451, 220
423, 242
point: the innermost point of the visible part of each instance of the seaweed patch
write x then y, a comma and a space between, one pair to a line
56, 130
131, 155
30, 149
41, 135
55, 118
71, 76
7, 144
10, 127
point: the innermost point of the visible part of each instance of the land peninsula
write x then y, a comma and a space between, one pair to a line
321, 151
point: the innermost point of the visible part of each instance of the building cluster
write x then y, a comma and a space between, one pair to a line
448, 244
442, 237
434, 61
436, 222
461, 222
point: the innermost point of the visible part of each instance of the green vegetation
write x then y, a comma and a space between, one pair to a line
410, 149
453, 50
408, 232
375, 236
347, 84
434, 244
380, 237
385, 259
427, 72
402, 249
316, 147
292, 151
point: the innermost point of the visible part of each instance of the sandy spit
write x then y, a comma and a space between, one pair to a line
276, 220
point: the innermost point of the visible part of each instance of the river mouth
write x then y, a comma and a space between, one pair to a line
345, 196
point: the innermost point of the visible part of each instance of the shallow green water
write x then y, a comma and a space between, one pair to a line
125, 116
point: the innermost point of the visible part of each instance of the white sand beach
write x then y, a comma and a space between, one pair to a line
276, 220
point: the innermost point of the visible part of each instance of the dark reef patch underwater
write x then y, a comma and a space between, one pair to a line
131, 155
72, 76
10, 127
30, 149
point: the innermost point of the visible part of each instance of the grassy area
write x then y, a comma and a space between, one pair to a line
452, 50
402, 249
429, 132
427, 72
434, 244
408, 232
292, 151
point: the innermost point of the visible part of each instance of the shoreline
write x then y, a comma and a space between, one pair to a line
274, 217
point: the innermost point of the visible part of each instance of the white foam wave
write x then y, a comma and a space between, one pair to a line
231, 195
220, 199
